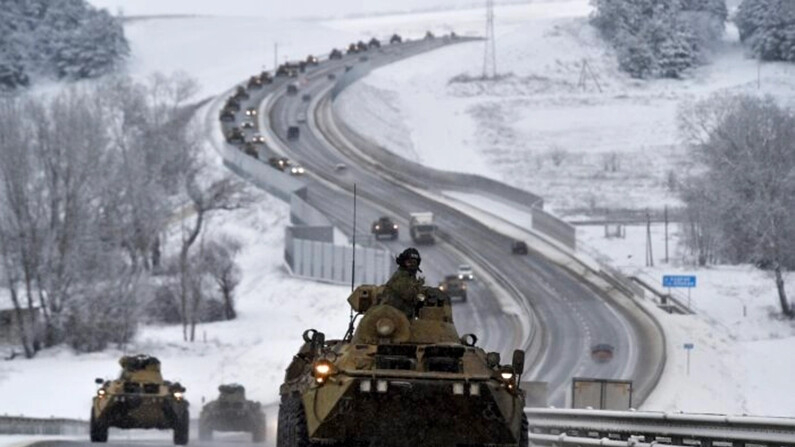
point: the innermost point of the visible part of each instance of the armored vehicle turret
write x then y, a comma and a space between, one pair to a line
139, 398
401, 379
232, 412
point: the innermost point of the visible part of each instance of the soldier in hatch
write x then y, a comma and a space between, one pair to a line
404, 290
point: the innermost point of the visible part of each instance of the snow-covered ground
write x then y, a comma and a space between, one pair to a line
508, 130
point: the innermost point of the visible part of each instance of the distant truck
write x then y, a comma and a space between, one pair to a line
421, 228
601, 394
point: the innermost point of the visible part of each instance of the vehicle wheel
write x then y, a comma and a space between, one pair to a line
258, 435
524, 437
205, 431
292, 431
98, 430
181, 427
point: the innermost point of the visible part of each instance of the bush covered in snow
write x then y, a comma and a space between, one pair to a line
660, 38
768, 26
67, 39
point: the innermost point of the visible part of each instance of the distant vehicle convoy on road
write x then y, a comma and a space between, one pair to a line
406, 379
139, 398
384, 227
421, 228
519, 248
232, 412
465, 272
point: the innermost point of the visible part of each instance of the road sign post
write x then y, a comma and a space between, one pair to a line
680, 281
688, 347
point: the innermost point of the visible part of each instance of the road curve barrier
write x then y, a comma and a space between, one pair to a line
559, 427
20, 425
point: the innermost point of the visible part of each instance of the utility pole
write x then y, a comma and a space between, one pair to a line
649, 254
490, 52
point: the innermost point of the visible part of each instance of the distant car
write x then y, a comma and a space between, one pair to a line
454, 287
251, 111
384, 226
232, 104
227, 115
247, 124
251, 150
293, 132
362, 46
280, 163
297, 170
235, 135
312, 60
335, 54
257, 139
240, 93
254, 82
429, 36
519, 248
374, 43
465, 272
395, 39
306, 97
352, 48
292, 89
602, 352
300, 117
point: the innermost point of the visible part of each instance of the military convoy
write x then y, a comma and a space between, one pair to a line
139, 398
232, 412
396, 380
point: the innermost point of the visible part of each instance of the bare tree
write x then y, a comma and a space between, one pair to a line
220, 264
746, 183
224, 194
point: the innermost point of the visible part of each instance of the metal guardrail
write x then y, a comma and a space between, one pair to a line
669, 428
20, 425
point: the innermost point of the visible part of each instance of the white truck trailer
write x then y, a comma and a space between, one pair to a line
422, 228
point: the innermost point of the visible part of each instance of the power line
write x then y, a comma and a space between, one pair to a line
490, 52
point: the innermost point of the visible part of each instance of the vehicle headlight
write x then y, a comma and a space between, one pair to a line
322, 370
460, 276
178, 395
394, 226
385, 327
442, 287
378, 227
101, 392
507, 374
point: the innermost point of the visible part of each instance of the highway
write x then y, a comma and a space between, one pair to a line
571, 316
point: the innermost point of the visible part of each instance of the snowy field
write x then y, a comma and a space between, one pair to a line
507, 130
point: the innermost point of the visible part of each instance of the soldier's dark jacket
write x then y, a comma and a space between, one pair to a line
401, 291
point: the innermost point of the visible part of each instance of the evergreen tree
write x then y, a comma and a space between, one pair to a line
768, 27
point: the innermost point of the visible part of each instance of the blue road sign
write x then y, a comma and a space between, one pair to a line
679, 281
689, 346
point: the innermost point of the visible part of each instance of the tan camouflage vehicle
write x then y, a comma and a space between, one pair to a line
401, 381
139, 398
232, 412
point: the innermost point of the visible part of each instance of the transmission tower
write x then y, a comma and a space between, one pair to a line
490, 52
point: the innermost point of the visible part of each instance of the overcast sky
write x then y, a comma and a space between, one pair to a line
289, 9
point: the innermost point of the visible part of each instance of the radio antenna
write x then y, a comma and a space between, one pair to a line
353, 258
353, 316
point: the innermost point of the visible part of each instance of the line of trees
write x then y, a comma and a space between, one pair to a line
741, 200
660, 38
64, 39
90, 182
768, 27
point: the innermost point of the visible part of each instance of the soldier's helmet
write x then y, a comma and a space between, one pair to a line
410, 253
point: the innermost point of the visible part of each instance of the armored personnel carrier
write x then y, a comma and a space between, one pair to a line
400, 380
139, 398
235, 135
335, 54
232, 412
